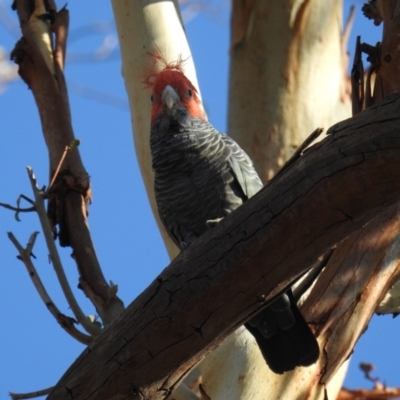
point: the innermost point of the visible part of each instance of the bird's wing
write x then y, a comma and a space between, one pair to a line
243, 168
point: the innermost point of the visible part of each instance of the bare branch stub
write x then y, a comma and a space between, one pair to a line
31, 395
40, 55
357, 80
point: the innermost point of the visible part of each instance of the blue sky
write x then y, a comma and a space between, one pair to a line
35, 351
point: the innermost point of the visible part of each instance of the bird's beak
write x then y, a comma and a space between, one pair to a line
169, 97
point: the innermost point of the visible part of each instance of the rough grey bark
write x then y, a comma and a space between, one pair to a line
164, 333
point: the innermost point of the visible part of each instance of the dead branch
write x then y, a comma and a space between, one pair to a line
91, 328
67, 323
31, 395
40, 55
16, 209
238, 267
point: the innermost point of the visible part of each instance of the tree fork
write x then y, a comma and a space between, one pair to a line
234, 270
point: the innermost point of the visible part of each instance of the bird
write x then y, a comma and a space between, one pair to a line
202, 175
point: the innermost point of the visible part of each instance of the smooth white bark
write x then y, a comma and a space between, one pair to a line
288, 76
144, 27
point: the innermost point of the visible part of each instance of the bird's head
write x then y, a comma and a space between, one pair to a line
171, 90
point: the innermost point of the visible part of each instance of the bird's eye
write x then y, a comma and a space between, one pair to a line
189, 93
152, 98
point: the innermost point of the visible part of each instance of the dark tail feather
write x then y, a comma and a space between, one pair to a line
288, 348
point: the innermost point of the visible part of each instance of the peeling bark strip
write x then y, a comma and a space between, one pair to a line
358, 275
40, 55
234, 270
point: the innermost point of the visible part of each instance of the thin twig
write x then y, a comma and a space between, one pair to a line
55, 258
17, 209
26, 198
67, 148
31, 395
348, 26
308, 280
299, 151
74, 144
357, 80
66, 323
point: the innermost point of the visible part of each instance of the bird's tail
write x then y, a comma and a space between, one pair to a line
283, 335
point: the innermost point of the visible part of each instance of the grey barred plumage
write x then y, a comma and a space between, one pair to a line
200, 167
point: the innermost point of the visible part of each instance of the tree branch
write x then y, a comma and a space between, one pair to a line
56, 261
31, 395
65, 322
40, 55
241, 265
